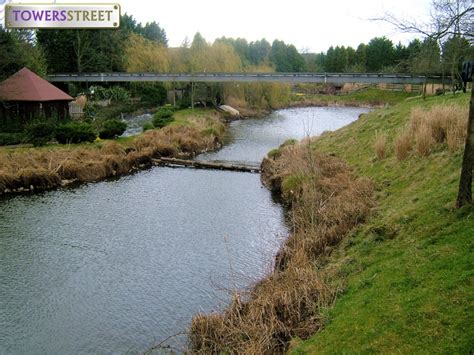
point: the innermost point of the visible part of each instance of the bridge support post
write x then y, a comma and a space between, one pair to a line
174, 93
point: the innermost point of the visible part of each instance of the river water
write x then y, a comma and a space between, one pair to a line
116, 266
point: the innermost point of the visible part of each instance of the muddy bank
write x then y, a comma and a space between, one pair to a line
45, 168
327, 200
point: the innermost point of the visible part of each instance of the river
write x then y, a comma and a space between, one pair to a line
116, 266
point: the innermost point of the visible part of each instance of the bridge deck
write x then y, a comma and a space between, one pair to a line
329, 78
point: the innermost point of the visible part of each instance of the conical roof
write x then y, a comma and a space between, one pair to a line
25, 85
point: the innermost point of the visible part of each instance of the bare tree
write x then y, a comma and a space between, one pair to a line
450, 19
447, 18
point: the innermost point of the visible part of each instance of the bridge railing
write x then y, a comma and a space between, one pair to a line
329, 78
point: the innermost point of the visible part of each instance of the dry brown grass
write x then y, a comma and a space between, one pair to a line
380, 145
46, 168
424, 140
403, 144
327, 201
441, 124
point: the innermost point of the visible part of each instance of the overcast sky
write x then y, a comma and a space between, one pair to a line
308, 24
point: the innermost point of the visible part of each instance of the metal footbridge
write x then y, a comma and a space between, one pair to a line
325, 78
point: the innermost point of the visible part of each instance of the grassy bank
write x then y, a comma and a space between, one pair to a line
370, 97
24, 169
388, 272
408, 272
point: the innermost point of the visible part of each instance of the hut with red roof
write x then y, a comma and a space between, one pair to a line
25, 95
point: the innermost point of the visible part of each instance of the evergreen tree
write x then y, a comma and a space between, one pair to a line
380, 53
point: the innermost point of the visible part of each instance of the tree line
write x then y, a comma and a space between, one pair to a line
382, 55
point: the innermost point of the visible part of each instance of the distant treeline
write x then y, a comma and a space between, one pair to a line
382, 55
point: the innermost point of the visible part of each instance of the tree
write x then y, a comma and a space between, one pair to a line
155, 33
82, 50
259, 52
320, 62
351, 57
465, 182
380, 53
426, 58
286, 58
456, 49
401, 55
361, 57
17, 50
340, 59
143, 55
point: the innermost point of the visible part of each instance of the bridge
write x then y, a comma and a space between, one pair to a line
325, 78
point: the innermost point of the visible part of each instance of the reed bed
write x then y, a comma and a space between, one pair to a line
327, 200
49, 167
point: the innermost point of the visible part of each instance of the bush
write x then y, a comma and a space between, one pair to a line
11, 138
112, 129
75, 132
90, 111
40, 132
163, 117
114, 93
147, 126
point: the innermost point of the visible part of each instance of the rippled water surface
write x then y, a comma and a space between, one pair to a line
116, 266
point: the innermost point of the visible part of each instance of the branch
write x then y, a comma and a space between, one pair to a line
443, 28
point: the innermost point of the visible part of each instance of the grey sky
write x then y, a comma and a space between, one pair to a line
308, 24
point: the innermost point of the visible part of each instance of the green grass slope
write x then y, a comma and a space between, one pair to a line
408, 272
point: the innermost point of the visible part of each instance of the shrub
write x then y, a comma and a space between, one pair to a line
40, 132
112, 129
147, 126
11, 138
90, 111
163, 117
402, 145
290, 141
380, 145
75, 132
114, 93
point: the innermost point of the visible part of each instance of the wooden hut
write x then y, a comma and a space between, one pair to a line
25, 96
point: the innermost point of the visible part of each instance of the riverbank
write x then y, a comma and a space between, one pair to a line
368, 97
33, 169
26, 169
407, 273
388, 273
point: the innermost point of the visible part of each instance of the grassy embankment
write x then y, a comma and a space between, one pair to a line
54, 165
397, 279
409, 271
